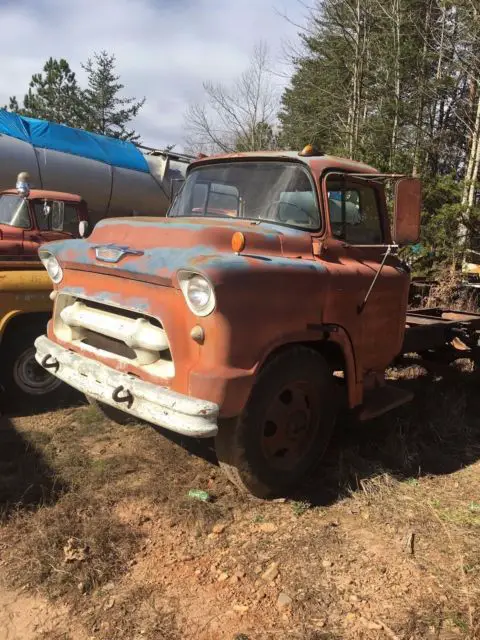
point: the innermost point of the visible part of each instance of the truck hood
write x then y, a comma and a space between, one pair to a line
154, 249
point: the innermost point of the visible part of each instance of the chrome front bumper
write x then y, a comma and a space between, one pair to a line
152, 403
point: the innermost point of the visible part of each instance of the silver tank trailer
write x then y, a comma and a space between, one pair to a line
108, 190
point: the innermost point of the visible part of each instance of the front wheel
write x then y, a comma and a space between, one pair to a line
285, 426
25, 382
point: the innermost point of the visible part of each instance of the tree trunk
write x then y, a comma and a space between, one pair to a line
474, 159
353, 115
421, 95
396, 32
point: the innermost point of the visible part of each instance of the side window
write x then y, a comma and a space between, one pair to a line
42, 215
56, 216
223, 197
215, 198
199, 196
71, 219
354, 214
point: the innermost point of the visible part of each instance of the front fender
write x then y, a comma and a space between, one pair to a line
324, 334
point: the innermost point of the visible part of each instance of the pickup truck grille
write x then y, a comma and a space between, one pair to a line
113, 331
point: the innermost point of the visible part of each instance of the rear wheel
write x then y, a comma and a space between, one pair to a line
285, 426
25, 382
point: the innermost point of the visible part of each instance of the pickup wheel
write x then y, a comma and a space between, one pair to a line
25, 382
285, 426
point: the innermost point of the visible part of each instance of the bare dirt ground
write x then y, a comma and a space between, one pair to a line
99, 539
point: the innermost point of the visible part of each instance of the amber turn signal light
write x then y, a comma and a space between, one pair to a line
238, 242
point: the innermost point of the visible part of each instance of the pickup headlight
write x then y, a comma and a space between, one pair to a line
52, 266
198, 292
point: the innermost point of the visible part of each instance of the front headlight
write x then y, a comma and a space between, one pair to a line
52, 266
198, 292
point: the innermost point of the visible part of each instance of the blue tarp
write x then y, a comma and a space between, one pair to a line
58, 137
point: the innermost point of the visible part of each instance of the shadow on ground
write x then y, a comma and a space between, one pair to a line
26, 479
201, 448
66, 397
437, 433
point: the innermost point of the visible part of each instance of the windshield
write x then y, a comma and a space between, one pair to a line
270, 191
14, 211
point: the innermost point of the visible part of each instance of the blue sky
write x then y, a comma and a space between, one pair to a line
165, 49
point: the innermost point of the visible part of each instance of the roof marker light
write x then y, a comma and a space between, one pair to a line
310, 150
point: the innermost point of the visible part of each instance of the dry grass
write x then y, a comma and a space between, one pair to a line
382, 539
39, 558
449, 292
84, 469
143, 615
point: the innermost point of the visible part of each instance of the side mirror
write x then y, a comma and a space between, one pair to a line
83, 228
408, 206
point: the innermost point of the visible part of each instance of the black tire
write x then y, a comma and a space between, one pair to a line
25, 383
267, 458
112, 413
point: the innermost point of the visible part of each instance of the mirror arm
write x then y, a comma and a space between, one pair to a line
391, 250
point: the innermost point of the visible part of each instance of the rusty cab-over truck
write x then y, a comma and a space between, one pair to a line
28, 218
247, 313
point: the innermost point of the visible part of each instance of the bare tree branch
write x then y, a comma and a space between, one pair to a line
241, 116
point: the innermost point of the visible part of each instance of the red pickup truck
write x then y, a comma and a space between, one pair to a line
28, 218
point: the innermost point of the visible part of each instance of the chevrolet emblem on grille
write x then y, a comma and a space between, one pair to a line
114, 253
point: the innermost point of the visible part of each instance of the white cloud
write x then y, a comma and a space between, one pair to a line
165, 49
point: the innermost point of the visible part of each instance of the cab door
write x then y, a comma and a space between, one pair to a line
358, 240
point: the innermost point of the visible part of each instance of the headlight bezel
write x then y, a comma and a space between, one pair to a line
52, 266
185, 279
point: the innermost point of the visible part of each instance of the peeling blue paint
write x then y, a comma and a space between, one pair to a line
141, 305
165, 261
269, 230
152, 222
74, 291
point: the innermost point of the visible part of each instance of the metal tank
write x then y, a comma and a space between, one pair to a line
116, 178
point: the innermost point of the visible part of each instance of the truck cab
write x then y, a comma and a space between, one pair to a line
270, 296
28, 218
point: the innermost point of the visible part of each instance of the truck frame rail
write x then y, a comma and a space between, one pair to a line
434, 328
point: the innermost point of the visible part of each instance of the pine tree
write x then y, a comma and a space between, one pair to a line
105, 111
53, 95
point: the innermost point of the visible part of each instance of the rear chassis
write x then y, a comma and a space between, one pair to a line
442, 334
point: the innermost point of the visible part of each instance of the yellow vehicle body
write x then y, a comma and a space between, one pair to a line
25, 307
23, 290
